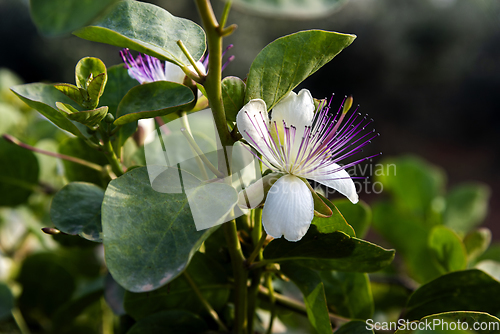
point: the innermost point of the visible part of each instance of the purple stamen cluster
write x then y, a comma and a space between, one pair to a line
327, 141
145, 68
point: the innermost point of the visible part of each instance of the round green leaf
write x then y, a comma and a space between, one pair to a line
19, 175
413, 182
233, 96
208, 276
6, 301
76, 209
466, 206
447, 249
149, 236
170, 322
153, 99
43, 98
468, 290
290, 9
285, 63
148, 29
332, 251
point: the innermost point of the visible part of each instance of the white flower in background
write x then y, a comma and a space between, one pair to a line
299, 144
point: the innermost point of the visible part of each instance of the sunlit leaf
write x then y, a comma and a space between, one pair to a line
148, 29
289, 60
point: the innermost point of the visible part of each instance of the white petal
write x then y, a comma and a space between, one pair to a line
289, 209
253, 121
173, 73
295, 109
340, 181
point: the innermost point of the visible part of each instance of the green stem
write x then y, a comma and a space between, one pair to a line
191, 60
240, 276
18, 318
204, 302
109, 152
214, 77
256, 275
225, 14
258, 248
85, 163
272, 297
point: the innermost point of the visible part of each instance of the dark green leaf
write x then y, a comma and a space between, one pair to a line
477, 242
313, 290
170, 322
149, 236
466, 206
413, 182
468, 290
87, 294
6, 301
335, 222
233, 96
447, 249
289, 60
290, 9
59, 17
332, 251
348, 294
208, 276
77, 147
76, 209
409, 236
153, 99
19, 177
354, 327
46, 284
43, 97
148, 29
119, 83
358, 215
457, 320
